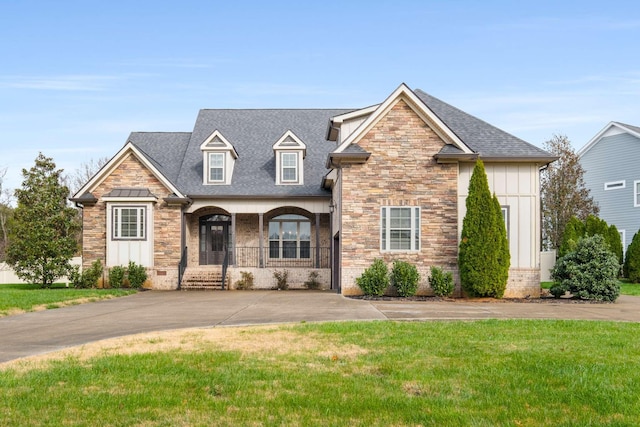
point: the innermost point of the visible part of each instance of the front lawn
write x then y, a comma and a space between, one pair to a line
17, 298
485, 373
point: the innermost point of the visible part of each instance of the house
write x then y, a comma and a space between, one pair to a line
612, 175
325, 190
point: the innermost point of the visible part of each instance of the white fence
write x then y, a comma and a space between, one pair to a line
7, 275
547, 261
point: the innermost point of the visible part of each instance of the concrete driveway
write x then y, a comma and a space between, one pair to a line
51, 330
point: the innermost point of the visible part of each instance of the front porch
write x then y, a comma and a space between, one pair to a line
222, 243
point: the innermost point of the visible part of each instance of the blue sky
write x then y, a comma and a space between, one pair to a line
76, 77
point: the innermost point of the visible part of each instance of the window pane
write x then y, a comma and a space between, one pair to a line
274, 249
289, 231
216, 166
305, 231
129, 223
289, 174
289, 249
274, 230
400, 218
305, 250
289, 166
400, 239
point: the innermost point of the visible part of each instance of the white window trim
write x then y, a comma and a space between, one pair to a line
636, 193
385, 231
115, 232
210, 154
615, 185
289, 143
506, 215
296, 167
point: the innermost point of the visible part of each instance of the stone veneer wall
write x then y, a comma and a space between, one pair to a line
263, 277
400, 172
132, 173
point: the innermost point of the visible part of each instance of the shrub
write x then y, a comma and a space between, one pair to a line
590, 272
136, 274
483, 257
632, 260
313, 282
405, 278
246, 282
573, 231
375, 279
88, 278
116, 276
441, 282
282, 278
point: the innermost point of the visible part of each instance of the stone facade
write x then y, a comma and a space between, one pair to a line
166, 224
401, 171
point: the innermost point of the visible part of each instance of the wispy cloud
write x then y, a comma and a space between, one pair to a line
79, 82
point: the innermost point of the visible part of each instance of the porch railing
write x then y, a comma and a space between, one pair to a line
300, 258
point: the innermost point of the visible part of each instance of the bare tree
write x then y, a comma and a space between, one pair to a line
563, 192
5, 214
84, 173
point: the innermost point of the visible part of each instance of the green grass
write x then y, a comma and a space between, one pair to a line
485, 373
24, 297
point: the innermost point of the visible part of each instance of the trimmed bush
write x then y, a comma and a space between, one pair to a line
246, 282
136, 274
88, 278
116, 276
632, 260
484, 257
441, 282
375, 279
405, 278
590, 272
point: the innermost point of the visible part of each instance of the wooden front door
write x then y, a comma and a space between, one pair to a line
214, 240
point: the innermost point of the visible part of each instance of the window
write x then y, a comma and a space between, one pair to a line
289, 165
636, 193
400, 229
129, 222
290, 237
216, 167
614, 185
505, 217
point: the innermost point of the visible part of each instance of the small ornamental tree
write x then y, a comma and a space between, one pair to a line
484, 257
43, 228
573, 231
590, 272
632, 260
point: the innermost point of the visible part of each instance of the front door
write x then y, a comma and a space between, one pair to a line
214, 239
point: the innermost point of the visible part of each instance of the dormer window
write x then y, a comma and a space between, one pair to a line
218, 159
290, 152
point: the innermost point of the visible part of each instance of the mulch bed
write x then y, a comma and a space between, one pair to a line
542, 300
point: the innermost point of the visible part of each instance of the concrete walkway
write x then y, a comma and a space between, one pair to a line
51, 330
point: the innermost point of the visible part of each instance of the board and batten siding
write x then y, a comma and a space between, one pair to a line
614, 158
517, 186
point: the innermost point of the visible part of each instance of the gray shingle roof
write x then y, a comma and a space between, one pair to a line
130, 192
252, 132
478, 135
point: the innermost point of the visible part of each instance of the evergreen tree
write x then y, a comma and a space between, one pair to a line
573, 231
41, 235
615, 242
484, 257
632, 260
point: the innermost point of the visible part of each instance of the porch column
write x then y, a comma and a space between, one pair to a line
317, 240
233, 240
261, 244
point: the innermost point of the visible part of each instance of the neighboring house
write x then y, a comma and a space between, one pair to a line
611, 173
311, 190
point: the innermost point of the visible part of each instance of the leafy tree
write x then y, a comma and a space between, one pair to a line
576, 229
41, 233
563, 192
484, 257
590, 272
632, 260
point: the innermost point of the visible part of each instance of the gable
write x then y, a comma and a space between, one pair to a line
611, 129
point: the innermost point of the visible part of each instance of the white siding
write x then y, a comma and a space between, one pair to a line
120, 252
517, 186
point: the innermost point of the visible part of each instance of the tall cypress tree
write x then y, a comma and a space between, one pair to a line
42, 231
484, 257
